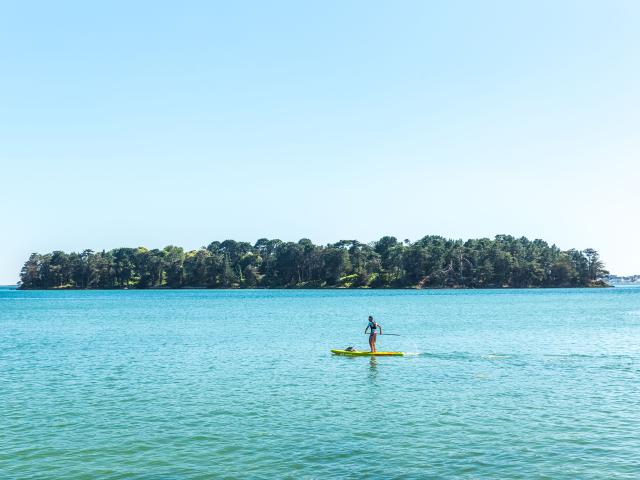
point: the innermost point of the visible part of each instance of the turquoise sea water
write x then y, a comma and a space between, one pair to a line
241, 384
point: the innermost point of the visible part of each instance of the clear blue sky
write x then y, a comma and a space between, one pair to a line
156, 123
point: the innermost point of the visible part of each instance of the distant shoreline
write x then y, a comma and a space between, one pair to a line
594, 285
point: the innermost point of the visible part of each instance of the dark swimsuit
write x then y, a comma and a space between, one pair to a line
373, 326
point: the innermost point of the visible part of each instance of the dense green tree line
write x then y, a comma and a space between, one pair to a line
431, 262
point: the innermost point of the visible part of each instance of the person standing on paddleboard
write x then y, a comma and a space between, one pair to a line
373, 327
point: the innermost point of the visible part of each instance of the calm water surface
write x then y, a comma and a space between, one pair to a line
241, 384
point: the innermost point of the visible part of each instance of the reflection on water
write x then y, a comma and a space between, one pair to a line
373, 366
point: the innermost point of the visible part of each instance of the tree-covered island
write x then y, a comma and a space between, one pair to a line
431, 262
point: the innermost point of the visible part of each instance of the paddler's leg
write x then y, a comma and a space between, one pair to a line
372, 345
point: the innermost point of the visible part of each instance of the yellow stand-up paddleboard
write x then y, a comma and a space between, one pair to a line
356, 353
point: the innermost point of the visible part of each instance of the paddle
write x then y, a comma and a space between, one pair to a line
394, 334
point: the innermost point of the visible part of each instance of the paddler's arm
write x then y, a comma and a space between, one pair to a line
380, 327
365, 330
